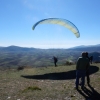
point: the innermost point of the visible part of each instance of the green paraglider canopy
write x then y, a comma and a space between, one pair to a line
59, 21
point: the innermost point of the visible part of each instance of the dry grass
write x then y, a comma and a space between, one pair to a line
51, 83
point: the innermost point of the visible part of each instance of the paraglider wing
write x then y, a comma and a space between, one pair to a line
59, 21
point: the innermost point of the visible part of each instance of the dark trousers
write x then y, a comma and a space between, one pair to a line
87, 75
55, 64
80, 74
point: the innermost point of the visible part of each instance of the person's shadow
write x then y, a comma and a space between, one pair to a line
89, 94
59, 75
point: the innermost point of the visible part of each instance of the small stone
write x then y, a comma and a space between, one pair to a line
8, 97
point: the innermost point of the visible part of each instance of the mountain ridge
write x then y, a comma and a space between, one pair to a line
78, 48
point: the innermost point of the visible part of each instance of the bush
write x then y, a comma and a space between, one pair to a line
20, 68
69, 63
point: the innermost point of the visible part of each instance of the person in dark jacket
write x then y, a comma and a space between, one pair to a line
81, 67
55, 60
91, 59
87, 72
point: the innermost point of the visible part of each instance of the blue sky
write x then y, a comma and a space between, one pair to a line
18, 16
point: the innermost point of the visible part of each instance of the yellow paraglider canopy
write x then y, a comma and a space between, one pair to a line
60, 21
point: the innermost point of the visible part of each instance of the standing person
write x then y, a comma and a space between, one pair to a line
91, 59
55, 60
87, 72
81, 67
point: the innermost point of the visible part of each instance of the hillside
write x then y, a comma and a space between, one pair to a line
48, 83
14, 56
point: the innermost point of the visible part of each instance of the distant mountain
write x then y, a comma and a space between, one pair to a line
14, 56
90, 48
15, 49
76, 47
